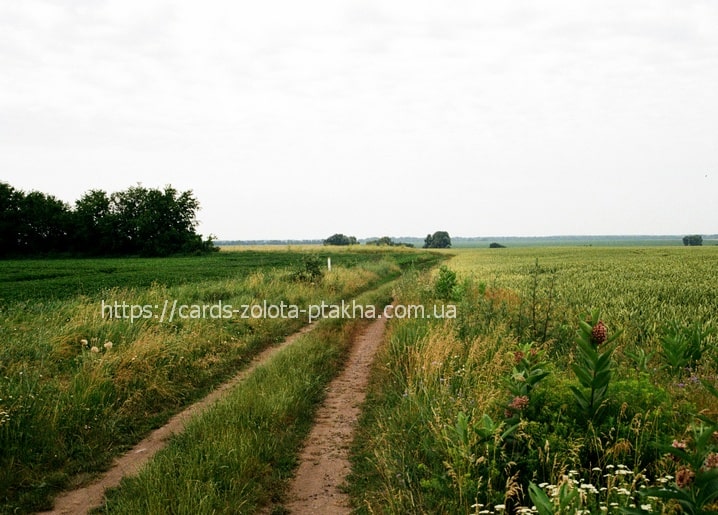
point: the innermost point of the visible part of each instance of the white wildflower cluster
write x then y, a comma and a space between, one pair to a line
85, 344
614, 489
4, 417
609, 490
482, 509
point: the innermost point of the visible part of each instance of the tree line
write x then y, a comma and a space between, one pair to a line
136, 221
438, 240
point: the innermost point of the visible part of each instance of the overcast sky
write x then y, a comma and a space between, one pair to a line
301, 119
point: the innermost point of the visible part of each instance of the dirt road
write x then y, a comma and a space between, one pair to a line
324, 462
81, 500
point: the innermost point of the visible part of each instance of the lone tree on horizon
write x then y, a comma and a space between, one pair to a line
340, 239
438, 240
693, 240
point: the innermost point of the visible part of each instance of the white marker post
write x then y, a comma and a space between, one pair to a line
329, 264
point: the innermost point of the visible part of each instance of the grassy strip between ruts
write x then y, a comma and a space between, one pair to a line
237, 456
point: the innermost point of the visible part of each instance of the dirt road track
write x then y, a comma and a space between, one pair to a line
83, 499
324, 462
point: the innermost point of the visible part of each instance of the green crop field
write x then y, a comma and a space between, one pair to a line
35, 279
572, 380
79, 384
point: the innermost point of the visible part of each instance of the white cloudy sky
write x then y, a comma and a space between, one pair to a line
400, 117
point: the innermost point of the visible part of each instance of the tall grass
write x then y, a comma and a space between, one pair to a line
77, 388
449, 426
237, 456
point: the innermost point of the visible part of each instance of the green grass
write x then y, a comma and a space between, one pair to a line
48, 279
66, 410
237, 456
442, 433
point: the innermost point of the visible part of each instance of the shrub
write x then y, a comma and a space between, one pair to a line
309, 270
445, 284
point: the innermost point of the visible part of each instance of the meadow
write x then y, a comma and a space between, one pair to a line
572, 380
77, 387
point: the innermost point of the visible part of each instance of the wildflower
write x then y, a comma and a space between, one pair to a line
589, 487
711, 461
518, 356
684, 477
94, 349
646, 507
682, 446
599, 333
108, 345
83, 342
500, 507
519, 403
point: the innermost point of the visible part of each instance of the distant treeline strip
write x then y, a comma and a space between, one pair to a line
136, 221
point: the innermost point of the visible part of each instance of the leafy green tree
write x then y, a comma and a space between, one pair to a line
383, 241
95, 224
44, 225
438, 240
32, 223
693, 240
340, 239
151, 222
9, 219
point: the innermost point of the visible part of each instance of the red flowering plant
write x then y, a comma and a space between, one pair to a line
528, 370
696, 476
593, 366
